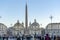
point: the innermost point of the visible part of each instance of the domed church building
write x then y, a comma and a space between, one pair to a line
17, 29
18, 26
34, 28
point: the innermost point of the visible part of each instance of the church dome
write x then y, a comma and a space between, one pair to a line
35, 23
18, 25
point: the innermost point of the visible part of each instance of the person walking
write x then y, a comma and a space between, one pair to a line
47, 37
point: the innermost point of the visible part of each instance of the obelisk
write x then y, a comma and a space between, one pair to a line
26, 20
26, 17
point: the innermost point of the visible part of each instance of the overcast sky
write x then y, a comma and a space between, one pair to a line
41, 10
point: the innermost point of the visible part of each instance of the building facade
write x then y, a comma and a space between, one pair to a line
34, 28
16, 29
3, 29
53, 29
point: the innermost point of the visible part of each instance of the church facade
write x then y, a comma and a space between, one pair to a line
19, 29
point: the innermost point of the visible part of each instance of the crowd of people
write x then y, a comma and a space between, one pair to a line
46, 37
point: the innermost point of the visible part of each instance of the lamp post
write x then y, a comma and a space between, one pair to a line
51, 17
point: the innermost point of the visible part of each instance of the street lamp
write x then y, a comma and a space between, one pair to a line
51, 17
